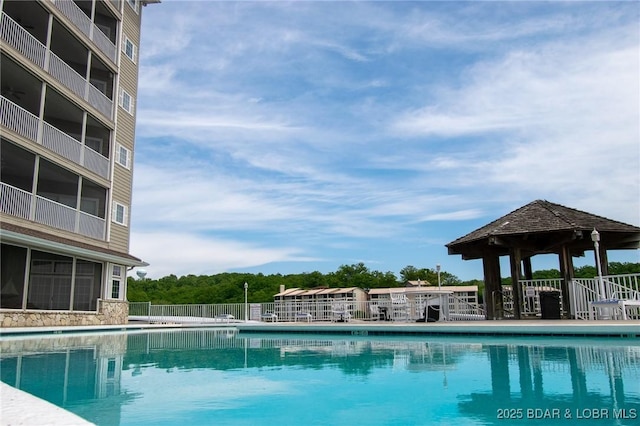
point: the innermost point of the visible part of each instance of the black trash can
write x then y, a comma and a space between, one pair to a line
550, 304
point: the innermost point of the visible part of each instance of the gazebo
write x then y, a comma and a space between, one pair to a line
540, 227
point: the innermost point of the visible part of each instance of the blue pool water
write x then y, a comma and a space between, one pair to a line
216, 376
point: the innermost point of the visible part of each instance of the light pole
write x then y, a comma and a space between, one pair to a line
595, 237
246, 311
438, 271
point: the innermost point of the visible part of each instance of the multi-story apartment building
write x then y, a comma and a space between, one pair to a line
69, 77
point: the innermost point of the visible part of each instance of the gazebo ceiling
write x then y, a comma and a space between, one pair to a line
542, 227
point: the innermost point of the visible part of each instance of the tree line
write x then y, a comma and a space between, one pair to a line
228, 287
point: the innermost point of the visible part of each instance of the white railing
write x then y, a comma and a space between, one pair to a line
25, 43
582, 292
96, 162
67, 75
17, 37
26, 124
84, 24
622, 286
91, 226
18, 119
15, 201
61, 143
295, 311
103, 43
530, 295
585, 291
55, 214
75, 15
461, 309
99, 100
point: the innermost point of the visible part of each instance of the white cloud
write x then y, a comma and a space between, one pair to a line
280, 126
182, 253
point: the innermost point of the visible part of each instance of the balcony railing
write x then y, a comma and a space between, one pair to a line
61, 143
18, 119
14, 35
26, 125
20, 39
16, 202
84, 24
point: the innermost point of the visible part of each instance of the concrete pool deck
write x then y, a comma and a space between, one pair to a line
20, 408
536, 327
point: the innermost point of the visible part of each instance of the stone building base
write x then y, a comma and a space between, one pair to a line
110, 312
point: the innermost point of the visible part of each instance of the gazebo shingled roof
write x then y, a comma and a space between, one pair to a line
540, 227
540, 224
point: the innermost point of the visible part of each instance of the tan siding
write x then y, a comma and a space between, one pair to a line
119, 238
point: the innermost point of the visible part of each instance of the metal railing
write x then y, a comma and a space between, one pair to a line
17, 202
26, 124
61, 143
20, 39
84, 24
585, 291
18, 119
460, 309
530, 294
17, 37
296, 311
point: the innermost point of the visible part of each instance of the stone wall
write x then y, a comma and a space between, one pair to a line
110, 312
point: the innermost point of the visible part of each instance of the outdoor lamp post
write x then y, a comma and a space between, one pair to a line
246, 311
438, 271
595, 237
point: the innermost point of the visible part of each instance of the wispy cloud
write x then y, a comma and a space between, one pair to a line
304, 134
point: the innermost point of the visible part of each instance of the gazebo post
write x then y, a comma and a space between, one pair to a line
528, 269
567, 274
493, 286
515, 258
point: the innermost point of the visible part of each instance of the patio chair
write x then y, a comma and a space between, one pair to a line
617, 304
339, 312
399, 307
374, 311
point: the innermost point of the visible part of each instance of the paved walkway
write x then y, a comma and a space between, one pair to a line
21, 408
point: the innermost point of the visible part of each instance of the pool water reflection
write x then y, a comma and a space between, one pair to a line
207, 376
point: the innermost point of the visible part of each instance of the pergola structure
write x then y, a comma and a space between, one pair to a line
540, 227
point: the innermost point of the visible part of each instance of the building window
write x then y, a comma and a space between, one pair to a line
134, 4
126, 101
87, 287
119, 213
123, 156
129, 48
116, 281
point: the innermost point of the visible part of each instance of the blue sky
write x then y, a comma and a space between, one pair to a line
290, 137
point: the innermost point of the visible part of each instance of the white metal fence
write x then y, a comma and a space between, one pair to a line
581, 292
457, 309
585, 291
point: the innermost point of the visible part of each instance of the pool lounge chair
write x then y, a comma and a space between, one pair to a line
303, 316
269, 317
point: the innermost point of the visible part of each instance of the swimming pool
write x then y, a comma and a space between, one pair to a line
217, 376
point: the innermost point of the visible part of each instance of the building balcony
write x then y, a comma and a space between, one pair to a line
29, 126
95, 33
14, 35
22, 204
